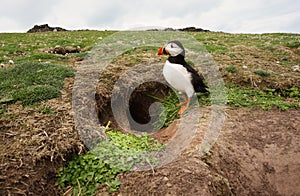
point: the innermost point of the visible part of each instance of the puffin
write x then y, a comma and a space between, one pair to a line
179, 74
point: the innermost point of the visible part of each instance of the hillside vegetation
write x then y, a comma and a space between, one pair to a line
38, 135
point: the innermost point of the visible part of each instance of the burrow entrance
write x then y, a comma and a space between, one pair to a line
139, 103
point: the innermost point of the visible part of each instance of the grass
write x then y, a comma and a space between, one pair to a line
222, 42
38, 76
170, 112
46, 109
100, 167
237, 97
293, 44
262, 73
231, 69
22, 47
266, 100
33, 82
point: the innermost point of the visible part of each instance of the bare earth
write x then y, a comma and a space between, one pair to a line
257, 153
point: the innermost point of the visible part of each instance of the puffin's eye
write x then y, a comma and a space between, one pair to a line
172, 46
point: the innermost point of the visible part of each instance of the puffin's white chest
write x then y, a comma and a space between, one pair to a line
179, 78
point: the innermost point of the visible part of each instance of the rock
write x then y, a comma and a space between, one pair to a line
187, 171
44, 28
165, 179
72, 49
296, 68
59, 50
193, 29
187, 29
169, 29
169, 184
11, 62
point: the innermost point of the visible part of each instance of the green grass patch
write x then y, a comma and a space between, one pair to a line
32, 82
231, 69
100, 167
171, 108
262, 73
238, 97
170, 112
46, 109
37, 93
294, 44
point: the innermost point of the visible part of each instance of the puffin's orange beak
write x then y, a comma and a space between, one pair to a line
162, 51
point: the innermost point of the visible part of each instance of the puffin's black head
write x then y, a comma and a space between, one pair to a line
173, 48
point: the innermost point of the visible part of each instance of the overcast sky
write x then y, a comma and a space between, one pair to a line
236, 16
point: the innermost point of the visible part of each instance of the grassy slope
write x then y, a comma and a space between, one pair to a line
29, 46
239, 56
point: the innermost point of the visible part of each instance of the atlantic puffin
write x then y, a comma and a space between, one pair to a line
179, 74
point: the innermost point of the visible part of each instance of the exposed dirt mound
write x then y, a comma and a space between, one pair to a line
254, 155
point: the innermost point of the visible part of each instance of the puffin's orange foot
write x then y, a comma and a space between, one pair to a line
182, 109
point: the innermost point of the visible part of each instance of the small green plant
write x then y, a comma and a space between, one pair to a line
262, 73
294, 44
2, 109
99, 168
292, 92
232, 55
46, 109
231, 69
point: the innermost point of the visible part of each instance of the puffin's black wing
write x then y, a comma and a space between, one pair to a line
197, 80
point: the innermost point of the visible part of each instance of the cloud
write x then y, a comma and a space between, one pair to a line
20, 14
274, 24
254, 16
118, 14
218, 15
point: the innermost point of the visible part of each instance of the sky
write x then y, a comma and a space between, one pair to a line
233, 16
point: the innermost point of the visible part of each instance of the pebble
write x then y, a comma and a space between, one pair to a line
11, 62
169, 184
165, 179
296, 68
187, 171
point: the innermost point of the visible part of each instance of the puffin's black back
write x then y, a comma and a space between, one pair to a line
197, 80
